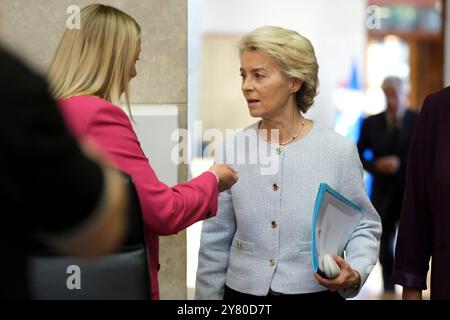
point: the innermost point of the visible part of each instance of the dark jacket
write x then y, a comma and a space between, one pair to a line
47, 184
425, 219
383, 141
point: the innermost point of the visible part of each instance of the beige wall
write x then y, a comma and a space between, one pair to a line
222, 104
32, 28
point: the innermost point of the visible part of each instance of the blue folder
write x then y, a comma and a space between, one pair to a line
324, 190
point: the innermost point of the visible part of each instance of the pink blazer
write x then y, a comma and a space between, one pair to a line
165, 210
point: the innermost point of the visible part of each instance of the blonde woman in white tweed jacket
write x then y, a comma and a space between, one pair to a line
259, 244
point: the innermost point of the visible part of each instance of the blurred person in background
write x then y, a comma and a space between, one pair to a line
52, 192
90, 72
388, 135
424, 229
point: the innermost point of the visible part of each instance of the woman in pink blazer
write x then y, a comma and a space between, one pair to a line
91, 69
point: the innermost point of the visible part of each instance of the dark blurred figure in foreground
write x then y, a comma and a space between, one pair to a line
51, 191
425, 220
388, 135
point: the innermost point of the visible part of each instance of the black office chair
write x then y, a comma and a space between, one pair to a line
122, 275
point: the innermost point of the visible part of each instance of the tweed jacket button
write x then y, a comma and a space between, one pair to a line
272, 262
274, 224
275, 187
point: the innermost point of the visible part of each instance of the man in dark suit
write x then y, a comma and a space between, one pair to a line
387, 135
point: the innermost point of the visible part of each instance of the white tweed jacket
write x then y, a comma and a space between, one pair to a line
260, 238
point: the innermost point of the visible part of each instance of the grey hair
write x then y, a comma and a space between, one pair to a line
394, 82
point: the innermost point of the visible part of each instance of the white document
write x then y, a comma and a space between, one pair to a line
334, 221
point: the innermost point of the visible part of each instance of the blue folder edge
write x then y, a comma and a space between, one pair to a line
323, 188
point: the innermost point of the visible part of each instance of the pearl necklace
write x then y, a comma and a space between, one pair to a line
290, 140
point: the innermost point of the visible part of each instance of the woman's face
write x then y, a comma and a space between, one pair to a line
267, 91
133, 72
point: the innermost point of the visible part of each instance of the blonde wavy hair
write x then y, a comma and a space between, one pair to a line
294, 54
96, 59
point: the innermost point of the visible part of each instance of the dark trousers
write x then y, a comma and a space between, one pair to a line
387, 253
390, 216
231, 294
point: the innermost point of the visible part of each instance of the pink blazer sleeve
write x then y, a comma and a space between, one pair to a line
165, 210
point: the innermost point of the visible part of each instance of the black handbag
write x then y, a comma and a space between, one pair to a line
122, 275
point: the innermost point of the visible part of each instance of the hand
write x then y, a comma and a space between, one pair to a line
347, 279
412, 294
387, 164
226, 174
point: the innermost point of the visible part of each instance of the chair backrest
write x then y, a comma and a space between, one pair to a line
122, 275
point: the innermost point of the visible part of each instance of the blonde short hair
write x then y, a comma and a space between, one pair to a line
294, 54
97, 58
